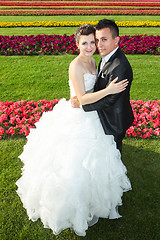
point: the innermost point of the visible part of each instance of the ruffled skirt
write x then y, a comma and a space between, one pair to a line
72, 173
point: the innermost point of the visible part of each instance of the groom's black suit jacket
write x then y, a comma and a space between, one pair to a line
115, 111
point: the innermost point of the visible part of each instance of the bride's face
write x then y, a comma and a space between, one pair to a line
87, 45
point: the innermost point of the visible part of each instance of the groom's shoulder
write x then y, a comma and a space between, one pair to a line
121, 57
120, 54
120, 62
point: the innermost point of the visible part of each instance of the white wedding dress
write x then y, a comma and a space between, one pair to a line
73, 173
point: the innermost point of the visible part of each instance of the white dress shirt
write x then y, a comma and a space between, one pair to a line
107, 57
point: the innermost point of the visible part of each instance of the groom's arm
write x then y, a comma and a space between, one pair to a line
108, 102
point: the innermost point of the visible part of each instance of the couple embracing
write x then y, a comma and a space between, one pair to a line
73, 174
114, 110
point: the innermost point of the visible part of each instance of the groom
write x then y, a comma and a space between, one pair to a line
115, 111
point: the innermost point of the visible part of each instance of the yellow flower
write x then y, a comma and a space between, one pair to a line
77, 24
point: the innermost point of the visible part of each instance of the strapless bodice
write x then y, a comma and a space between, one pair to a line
89, 81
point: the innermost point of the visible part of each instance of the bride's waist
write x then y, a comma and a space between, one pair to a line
68, 102
82, 110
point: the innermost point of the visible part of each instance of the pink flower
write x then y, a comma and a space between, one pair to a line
19, 117
11, 131
157, 132
57, 44
3, 117
1, 131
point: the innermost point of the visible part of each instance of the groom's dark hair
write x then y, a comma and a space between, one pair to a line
107, 23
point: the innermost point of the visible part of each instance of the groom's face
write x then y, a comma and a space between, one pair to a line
105, 42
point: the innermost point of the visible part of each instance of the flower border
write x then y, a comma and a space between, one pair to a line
57, 44
76, 24
17, 118
78, 12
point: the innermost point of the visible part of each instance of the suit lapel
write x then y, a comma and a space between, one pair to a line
104, 69
107, 64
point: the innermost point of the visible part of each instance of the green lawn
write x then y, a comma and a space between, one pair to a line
140, 208
46, 77
78, 18
71, 30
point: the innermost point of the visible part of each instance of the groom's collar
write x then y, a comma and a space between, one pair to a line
112, 55
108, 56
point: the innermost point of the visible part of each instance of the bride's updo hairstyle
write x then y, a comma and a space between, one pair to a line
85, 29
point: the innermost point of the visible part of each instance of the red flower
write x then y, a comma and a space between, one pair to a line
19, 117
11, 130
1, 131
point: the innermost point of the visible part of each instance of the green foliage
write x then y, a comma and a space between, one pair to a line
35, 77
140, 220
78, 18
69, 31
46, 77
146, 72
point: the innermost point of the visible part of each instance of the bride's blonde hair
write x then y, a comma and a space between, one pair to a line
85, 29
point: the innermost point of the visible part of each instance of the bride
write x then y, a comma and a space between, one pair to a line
73, 174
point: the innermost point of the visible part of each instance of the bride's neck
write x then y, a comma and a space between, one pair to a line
85, 59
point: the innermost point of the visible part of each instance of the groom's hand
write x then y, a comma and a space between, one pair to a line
75, 102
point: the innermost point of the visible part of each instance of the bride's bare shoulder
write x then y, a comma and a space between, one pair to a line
76, 65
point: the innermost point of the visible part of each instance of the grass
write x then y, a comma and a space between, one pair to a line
69, 31
35, 77
140, 208
39, 77
78, 18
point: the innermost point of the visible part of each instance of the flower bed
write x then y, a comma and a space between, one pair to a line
79, 8
17, 118
140, 44
77, 23
35, 45
34, 3
147, 119
57, 44
78, 12
82, 0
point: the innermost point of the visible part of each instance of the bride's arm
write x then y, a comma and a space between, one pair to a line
76, 75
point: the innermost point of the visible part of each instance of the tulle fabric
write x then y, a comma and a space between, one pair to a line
73, 173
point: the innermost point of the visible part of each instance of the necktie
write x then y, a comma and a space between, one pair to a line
102, 64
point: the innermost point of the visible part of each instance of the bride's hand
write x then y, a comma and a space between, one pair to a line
114, 87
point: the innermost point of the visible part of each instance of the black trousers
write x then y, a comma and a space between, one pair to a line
118, 139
